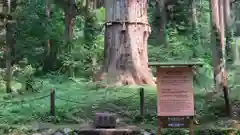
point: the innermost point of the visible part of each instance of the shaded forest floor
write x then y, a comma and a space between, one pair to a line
77, 102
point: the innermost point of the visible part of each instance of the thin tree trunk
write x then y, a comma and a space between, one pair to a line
235, 48
215, 39
49, 59
222, 28
89, 32
236, 57
126, 34
196, 33
47, 13
69, 24
10, 41
223, 73
99, 3
163, 22
228, 26
6, 10
70, 14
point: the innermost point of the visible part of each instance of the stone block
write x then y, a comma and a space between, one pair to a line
105, 120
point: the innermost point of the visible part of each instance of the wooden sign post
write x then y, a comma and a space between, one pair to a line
175, 96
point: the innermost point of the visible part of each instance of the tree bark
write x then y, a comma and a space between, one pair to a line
163, 22
218, 39
236, 35
69, 24
125, 51
50, 53
89, 31
215, 39
224, 77
195, 22
228, 26
99, 3
195, 29
70, 14
47, 14
10, 40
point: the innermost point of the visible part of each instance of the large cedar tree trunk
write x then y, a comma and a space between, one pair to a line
125, 51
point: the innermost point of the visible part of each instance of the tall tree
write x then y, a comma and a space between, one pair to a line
218, 48
99, 3
69, 14
228, 25
196, 33
8, 48
90, 31
236, 49
215, 39
10, 7
126, 35
48, 60
223, 82
163, 22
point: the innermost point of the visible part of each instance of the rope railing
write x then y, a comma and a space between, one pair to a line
106, 101
24, 101
53, 97
68, 100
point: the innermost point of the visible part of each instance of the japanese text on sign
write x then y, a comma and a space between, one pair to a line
175, 93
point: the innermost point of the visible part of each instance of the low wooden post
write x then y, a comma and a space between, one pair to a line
52, 102
141, 101
159, 125
191, 126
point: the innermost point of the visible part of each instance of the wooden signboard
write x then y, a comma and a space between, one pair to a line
175, 97
175, 93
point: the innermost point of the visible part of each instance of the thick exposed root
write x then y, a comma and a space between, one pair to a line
123, 78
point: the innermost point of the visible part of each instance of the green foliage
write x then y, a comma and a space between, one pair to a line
87, 45
204, 132
83, 100
30, 26
86, 55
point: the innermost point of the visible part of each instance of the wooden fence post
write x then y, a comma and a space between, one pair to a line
141, 101
191, 126
52, 102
